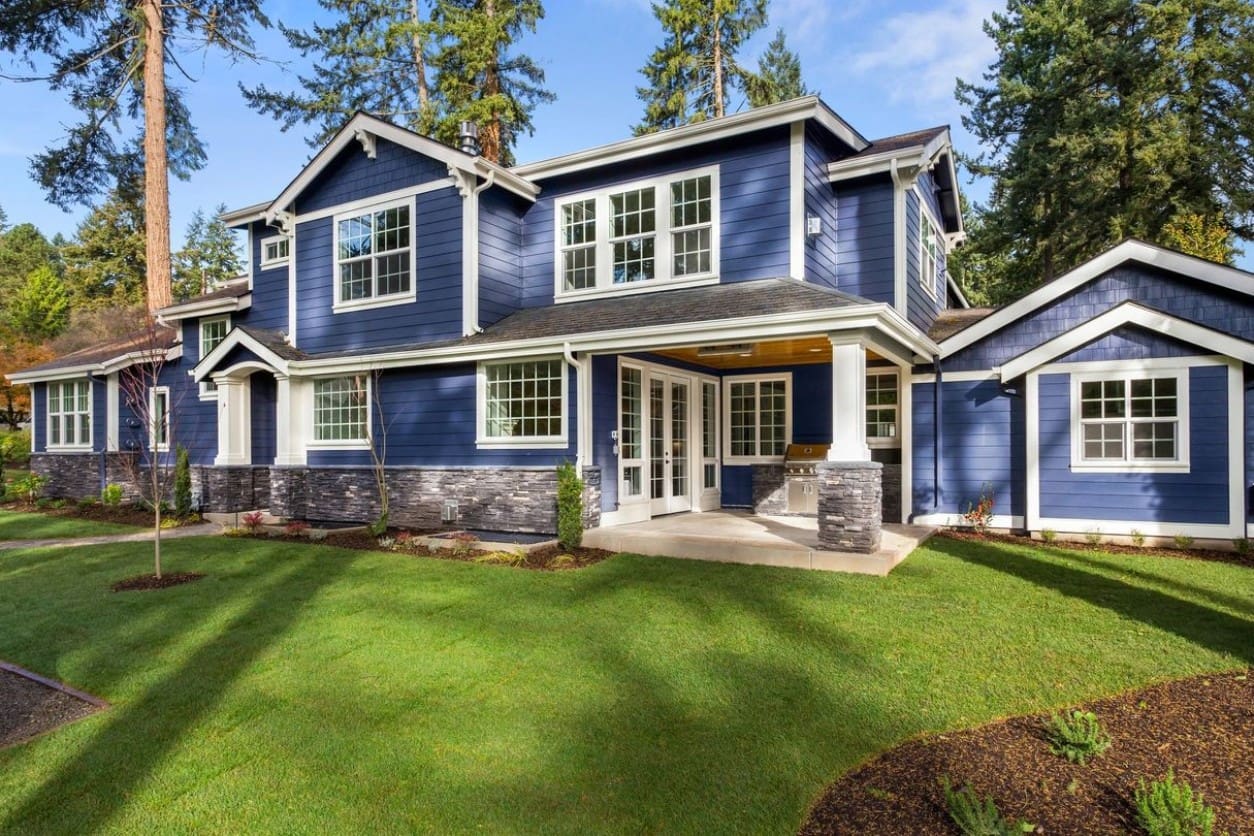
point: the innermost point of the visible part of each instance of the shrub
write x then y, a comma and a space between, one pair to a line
379, 527
562, 561
979, 818
1077, 736
170, 522
517, 557
1165, 808
182, 483
1183, 541
1137, 538
317, 534
386, 542
15, 450
405, 539
979, 515
1093, 536
111, 495
1242, 545
569, 506
463, 543
252, 521
1048, 535
296, 528
28, 488
87, 502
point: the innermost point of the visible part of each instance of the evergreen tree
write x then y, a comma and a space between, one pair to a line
690, 76
4, 220
23, 249
41, 309
110, 58
105, 263
479, 79
779, 75
374, 58
208, 257
1105, 120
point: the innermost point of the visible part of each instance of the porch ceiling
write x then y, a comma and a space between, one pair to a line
792, 352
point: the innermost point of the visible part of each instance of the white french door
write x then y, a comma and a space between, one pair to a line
669, 443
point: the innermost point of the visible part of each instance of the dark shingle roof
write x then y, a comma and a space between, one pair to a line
104, 352
231, 290
953, 320
275, 341
899, 141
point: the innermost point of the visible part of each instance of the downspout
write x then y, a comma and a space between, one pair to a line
569, 357
473, 288
937, 403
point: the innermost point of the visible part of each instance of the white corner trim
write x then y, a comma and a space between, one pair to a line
1131, 250
1032, 456
292, 310
1237, 512
113, 394
1128, 313
903, 179
797, 201
905, 431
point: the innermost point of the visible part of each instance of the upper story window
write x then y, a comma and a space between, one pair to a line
275, 251
619, 239
759, 417
374, 257
929, 253
1137, 422
522, 403
212, 333
881, 409
69, 414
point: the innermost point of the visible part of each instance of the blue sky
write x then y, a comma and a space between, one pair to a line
886, 67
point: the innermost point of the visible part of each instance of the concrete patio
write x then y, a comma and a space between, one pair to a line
741, 537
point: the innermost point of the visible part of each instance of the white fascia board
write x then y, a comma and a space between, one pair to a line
1128, 313
244, 216
62, 373
784, 113
881, 163
1130, 250
236, 337
210, 307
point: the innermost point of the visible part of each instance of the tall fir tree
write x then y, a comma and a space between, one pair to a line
105, 263
1105, 120
40, 310
111, 59
23, 249
778, 78
208, 257
375, 57
691, 75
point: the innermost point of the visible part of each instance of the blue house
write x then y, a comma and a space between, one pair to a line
750, 312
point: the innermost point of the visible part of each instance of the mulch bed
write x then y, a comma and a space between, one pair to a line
1216, 555
141, 582
122, 514
29, 708
1203, 727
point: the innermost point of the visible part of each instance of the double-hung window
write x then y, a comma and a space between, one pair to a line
758, 414
523, 403
635, 234
881, 409
929, 254
159, 418
69, 414
374, 258
342, 410
1131, 422
212, 333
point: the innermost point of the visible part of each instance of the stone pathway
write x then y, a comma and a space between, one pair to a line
201, 530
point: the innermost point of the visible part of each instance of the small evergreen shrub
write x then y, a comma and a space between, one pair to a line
1093, 536
979, 818
1165, 808
569, 506
379, 527
1048, 535
1137, 538
1242, 545
182, 483
252, 521
1183, 541
1077, 736
111, 496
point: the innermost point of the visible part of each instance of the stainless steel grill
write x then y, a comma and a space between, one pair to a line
801, 475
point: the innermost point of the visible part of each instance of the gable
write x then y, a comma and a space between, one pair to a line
353, 175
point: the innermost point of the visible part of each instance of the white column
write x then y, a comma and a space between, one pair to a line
234, 439
289, 420
848, 400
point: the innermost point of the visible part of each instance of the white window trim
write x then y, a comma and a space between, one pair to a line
929, 284
702, 459
728, 458
624, 463
268, 263
885, 443
207, 394
553, 442
341, 444
152, 418
1180, 465
375, 301
91, 418
662, 246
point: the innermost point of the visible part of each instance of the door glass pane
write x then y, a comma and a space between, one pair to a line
679, 439
657, 439
631, 413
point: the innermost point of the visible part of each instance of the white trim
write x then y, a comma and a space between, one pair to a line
727, 381
905, 431
374, 300
1236, 449
903, 179
1151, 364
239, 337
208, 307
153, 392
1128, 313
113, 393
797, 201
248, 248
1149, 528
784, 113
583, 413
894, 442
955, 377
551, 442
1180, 464
312, 441
80, 445
351, 206
1032, 455
955, 520
292, 311
269, 264
1131, 250
662, 236
244, 215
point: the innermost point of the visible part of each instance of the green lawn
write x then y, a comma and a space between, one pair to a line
302, 688
19, 526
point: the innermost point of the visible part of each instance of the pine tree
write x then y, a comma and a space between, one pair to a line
105, 263
479, 79
374, 58
1106, 120
23, 249
41, 309
778, 78
690, 76
208, 257
4, 220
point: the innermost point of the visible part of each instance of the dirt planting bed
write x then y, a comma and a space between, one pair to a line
29, 707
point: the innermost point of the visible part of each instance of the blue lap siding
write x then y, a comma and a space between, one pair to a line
264, 396
922, 304
1199, 496
820, 202
500, 247
269, 307
864, 238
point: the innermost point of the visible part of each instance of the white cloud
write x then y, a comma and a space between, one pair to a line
917, 55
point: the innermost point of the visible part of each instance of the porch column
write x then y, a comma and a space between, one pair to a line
850, 484
234, 442
288, 414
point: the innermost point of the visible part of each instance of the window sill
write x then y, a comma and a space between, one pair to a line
1130, 467
633, 288
521, 444
272, 265
884, 443
338, 445
374, 302
744, 460
69, 448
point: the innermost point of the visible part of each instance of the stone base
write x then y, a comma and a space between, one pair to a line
850, 506
770, 489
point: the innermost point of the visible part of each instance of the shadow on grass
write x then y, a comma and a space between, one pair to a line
1204, 626
100, 778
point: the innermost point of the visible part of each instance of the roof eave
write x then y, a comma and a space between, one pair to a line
187, 310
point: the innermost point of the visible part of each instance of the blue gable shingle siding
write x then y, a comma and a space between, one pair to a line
1199, 496
820, 202
270, 288
753, 195
864, 238
1131, 343
437, 313
500, 262
354, 176
1195, 301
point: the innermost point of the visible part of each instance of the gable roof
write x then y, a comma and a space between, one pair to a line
952, 320
270, 346
105, 358
1129, 250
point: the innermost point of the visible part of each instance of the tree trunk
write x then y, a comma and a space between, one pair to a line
718, 68
490, 133
420, 60
156, 173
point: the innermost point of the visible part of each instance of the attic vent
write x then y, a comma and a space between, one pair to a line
468, 138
